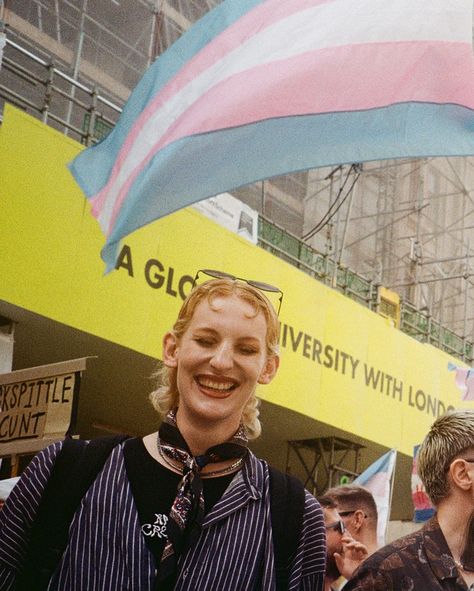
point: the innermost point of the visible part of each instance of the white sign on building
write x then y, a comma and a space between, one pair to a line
231, 213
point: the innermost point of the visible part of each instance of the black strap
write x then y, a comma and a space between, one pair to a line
287, 501
75, 469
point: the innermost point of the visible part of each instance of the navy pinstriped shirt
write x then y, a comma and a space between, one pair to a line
107, 551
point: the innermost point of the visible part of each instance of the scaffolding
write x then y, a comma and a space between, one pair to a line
404, 225
326, 461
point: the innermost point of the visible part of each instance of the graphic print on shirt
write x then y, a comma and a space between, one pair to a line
156, 529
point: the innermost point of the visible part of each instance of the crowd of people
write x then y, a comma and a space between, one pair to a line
190, 507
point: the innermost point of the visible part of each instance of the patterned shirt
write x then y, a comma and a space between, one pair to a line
420, 561
106, 549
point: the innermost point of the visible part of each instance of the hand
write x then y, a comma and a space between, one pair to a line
353, 553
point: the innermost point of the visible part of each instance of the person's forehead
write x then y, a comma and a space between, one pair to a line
224, 309
343, 505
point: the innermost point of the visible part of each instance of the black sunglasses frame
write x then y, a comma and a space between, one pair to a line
338, 526
260, 285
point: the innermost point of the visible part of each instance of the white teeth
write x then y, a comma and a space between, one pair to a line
208, 383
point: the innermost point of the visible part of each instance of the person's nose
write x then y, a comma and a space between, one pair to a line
222, 358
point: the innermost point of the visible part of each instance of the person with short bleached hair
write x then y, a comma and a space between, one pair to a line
435, 557
448, 438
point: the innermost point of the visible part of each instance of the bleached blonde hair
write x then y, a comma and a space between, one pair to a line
451, 435
166, 396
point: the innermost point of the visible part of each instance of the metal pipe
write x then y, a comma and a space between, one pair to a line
48, 93
346, 223
447, 260
61, 74
463, 276
20, 100
23, 73
385, 226
77, 61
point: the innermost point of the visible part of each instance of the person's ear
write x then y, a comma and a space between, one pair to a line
170, 350
358, 519
462, 474
269, 370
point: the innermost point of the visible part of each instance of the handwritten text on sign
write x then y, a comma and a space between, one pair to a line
38, 402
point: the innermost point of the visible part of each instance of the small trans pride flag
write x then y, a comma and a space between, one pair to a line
378, 479
464, 377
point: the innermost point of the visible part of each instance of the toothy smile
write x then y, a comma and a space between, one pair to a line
213, 384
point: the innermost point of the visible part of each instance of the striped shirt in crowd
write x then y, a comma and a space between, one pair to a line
107, 551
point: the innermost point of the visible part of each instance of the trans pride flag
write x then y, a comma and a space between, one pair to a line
378, 479
259, 88
464, 378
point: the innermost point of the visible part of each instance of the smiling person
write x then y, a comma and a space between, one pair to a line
189, 507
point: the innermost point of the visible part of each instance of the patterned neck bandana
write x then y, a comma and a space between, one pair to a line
187, 511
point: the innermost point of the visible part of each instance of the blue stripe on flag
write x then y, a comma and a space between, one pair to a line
197, 167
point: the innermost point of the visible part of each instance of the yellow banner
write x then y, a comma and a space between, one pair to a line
341, 364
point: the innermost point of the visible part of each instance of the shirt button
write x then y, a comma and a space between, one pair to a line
185, 573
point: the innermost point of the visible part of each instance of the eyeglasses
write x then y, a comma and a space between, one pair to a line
466, 460
338, 526
257, 284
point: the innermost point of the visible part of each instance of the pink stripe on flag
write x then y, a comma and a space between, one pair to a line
332, 80
230, 39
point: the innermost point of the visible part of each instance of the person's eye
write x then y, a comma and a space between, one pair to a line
248, 350
203, 342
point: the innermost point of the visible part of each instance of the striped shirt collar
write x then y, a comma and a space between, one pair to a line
247, 485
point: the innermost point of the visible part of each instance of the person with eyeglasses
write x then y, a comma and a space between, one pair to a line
439, 556
188, 507
357, 508
343, 553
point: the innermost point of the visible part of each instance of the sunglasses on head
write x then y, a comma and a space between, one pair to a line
338, 526
260, 285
